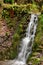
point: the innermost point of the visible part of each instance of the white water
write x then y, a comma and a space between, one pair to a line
27, 42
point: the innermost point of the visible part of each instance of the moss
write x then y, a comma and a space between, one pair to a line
28, 7
36, 61
16, 37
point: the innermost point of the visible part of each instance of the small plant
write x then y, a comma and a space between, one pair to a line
36, 61
9, 1
16, 36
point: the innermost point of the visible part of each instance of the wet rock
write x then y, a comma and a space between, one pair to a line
30, 63
12, 62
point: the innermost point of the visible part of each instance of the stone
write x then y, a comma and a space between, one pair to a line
30, 63
1, 40
12, 62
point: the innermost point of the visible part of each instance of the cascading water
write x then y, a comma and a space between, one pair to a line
27, 42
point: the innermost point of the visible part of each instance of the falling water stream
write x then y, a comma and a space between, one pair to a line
27, 42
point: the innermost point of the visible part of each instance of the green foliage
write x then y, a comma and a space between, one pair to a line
36, 61
22, 8
9, 1
39, 33
41, 19
12, 53
37, 46
16, 37
5, 13
9, 22
9, 53
40, 27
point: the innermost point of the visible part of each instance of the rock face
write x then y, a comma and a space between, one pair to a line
6, 62
3, 31
4, 41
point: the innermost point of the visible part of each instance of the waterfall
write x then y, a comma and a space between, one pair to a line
27, 42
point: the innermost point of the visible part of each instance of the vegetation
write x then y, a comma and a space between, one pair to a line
9, 1
17, 17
